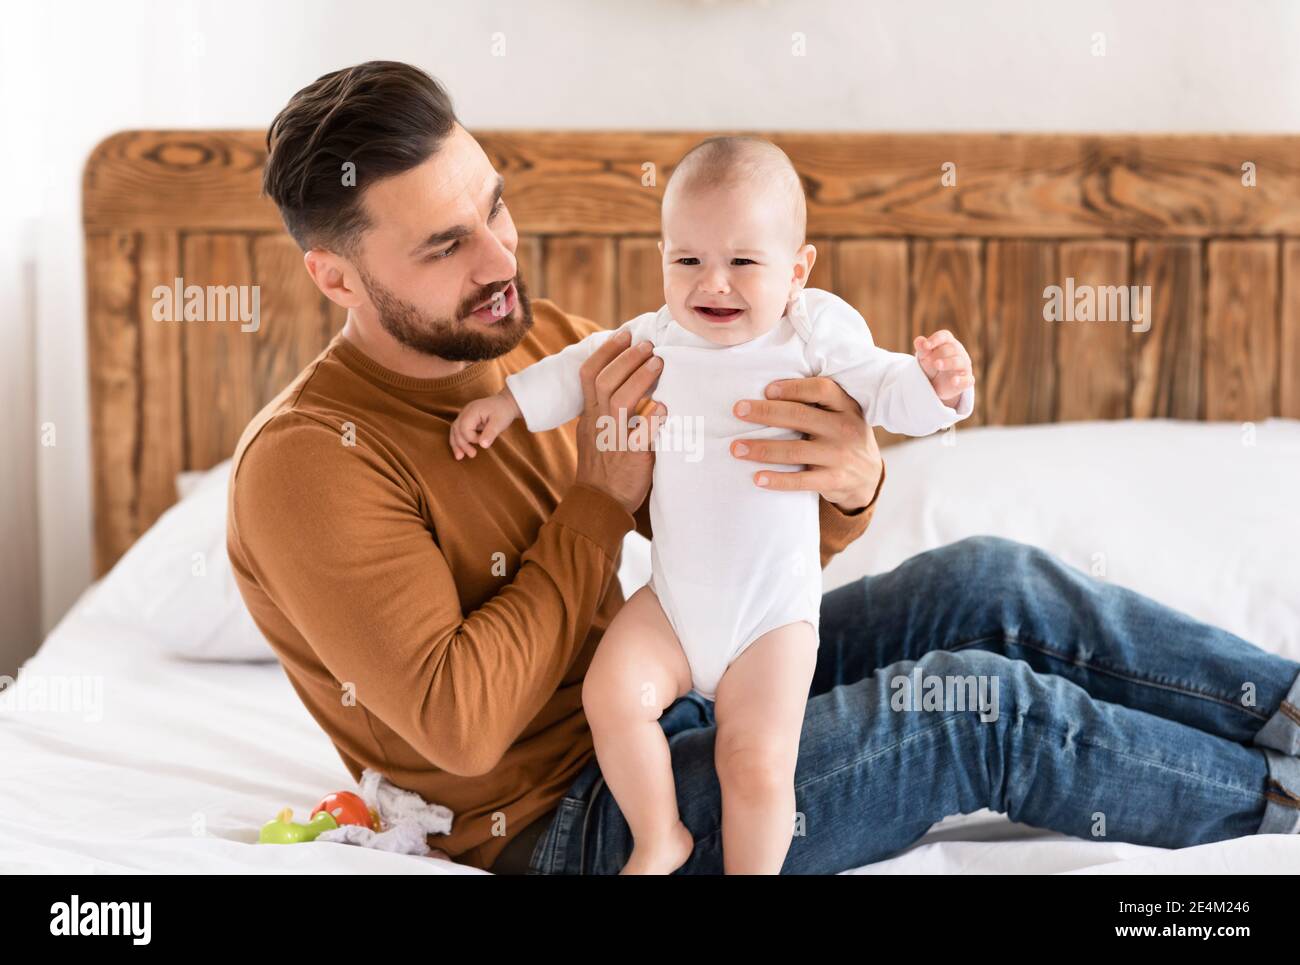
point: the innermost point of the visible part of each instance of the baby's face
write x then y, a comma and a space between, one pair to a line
731, 262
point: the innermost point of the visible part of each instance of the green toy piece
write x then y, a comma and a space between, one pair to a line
284, 830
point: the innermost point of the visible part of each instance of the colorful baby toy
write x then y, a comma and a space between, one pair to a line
339, 808
383, 816
283, 830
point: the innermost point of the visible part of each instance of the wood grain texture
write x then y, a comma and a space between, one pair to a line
1168, 359
1021, 381
160, 419
1222, 260
220, 393
531, 258
1092, 366
295, 318
1011, 185
112, 289
872, 276
194, 180
580, 276
1241, 356
824, 265
946, 287
1289, 373
873, 279
640, 279
136, 412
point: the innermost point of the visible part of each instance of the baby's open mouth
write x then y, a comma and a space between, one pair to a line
717, 312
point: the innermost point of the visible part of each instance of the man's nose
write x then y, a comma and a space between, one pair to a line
498, 262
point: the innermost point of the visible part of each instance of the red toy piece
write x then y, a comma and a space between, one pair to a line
348, 808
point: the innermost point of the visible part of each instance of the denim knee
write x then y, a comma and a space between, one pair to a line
978, 674
965, 662
986, 550
993, 561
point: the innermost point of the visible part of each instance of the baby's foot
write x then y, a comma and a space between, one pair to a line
661, 857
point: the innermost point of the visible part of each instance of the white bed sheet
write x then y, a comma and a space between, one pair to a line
183, 761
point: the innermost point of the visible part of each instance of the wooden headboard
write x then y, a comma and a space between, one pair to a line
1211, 223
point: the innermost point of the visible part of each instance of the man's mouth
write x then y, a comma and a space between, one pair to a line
715, 313
497, 307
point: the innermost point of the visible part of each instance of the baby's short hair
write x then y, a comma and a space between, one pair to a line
730, 160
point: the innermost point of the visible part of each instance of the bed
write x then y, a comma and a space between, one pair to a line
153, 730
187, 750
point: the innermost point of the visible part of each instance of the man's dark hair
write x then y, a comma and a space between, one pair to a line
382, 116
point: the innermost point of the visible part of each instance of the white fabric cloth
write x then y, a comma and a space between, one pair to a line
730, 561
405, 817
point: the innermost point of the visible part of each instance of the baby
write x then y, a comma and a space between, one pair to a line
733, 603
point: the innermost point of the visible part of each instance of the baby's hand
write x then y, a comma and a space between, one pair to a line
946, 364
482, 421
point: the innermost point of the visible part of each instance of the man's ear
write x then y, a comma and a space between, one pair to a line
335, 277
803, 263
661, 249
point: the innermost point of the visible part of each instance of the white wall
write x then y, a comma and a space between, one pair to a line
74, 73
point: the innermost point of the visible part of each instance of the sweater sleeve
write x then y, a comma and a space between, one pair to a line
337, 541
549, 392
840, 528
891, 387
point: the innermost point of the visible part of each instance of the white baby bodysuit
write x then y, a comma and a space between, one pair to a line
729, 559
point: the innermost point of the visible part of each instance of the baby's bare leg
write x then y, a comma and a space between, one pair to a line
759, 711
638, 670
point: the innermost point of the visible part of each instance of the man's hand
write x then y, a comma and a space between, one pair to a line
615, 378
946, 363
839, 448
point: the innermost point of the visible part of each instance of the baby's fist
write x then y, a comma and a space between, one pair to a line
481, 421
946, 364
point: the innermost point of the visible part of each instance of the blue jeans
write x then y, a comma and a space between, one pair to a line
1088, 709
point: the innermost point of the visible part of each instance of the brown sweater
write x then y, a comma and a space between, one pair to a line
436, 617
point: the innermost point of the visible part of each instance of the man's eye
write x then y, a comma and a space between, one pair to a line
688, 261
452, 248
743, 261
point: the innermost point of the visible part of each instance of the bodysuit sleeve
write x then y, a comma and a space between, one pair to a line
549, 392
891, 387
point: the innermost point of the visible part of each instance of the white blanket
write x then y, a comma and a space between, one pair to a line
174, 764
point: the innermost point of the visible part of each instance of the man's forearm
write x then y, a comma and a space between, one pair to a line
551, 619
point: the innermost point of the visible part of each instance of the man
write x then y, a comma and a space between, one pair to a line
437, 617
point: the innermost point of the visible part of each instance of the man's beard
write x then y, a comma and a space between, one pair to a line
452, 339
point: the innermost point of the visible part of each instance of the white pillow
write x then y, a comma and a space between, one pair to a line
1200, 516
188, 482
176, 583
